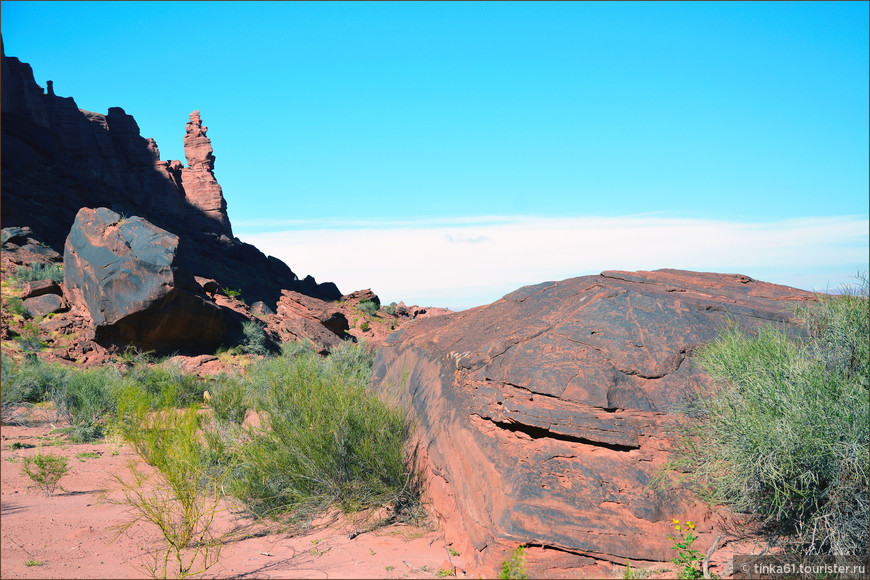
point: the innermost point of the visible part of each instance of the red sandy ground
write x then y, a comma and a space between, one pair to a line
71, 533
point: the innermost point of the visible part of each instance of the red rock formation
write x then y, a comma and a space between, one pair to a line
58, 158
201, 189
543, 416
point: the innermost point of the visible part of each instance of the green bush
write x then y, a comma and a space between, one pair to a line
368, 306
325, 441
38, 271
30, 382
167, 384
390, 308
255, 341
784, 435
183, 500
228, 400
87, 400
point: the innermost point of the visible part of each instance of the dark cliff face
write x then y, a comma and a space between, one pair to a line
57, 158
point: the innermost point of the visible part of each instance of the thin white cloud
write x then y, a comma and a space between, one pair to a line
469, 261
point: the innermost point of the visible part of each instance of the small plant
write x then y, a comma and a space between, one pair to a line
515, 566
364, 326
687, 557
30, 563
390, 309
30, 340
368, 306
388, 568
87, 455
16, 306
453, 552
20, 445
45, 470
444, 572
232, 293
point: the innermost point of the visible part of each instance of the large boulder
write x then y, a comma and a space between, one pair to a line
123, 273
543, 417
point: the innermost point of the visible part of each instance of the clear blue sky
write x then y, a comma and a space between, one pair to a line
355, 115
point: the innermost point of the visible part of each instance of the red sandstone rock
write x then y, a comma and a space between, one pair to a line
200, 186
542, 417
362, 296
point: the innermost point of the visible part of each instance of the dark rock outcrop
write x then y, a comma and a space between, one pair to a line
542, 417
39, 288
44, 304
124, 273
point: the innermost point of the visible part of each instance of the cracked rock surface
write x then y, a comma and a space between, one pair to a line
542, 417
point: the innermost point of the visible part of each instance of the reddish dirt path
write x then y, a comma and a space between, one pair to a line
70, 533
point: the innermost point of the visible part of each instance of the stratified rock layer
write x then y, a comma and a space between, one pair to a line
124, 274
543, 417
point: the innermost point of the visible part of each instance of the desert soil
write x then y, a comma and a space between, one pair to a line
72, 534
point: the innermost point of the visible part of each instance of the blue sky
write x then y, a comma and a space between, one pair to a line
447, 153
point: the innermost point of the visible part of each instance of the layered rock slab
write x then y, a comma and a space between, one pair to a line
543, 417
123, 273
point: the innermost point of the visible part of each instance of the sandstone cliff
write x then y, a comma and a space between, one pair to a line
57, 158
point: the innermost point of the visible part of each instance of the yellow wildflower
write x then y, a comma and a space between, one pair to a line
678, 527
676, 521
691, 525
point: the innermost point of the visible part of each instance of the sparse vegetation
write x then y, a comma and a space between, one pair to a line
16, 306
368, 307
38, 271
185, 500
45, 470
784, 436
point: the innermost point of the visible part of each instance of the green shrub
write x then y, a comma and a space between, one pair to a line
167, 384
45, 471
16, 306
364, 326
30, 382
296, 348
87, 400
368, 306
255, 341
182, 502
228, 400
784, 435
390, 308
38, 271
325, 441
